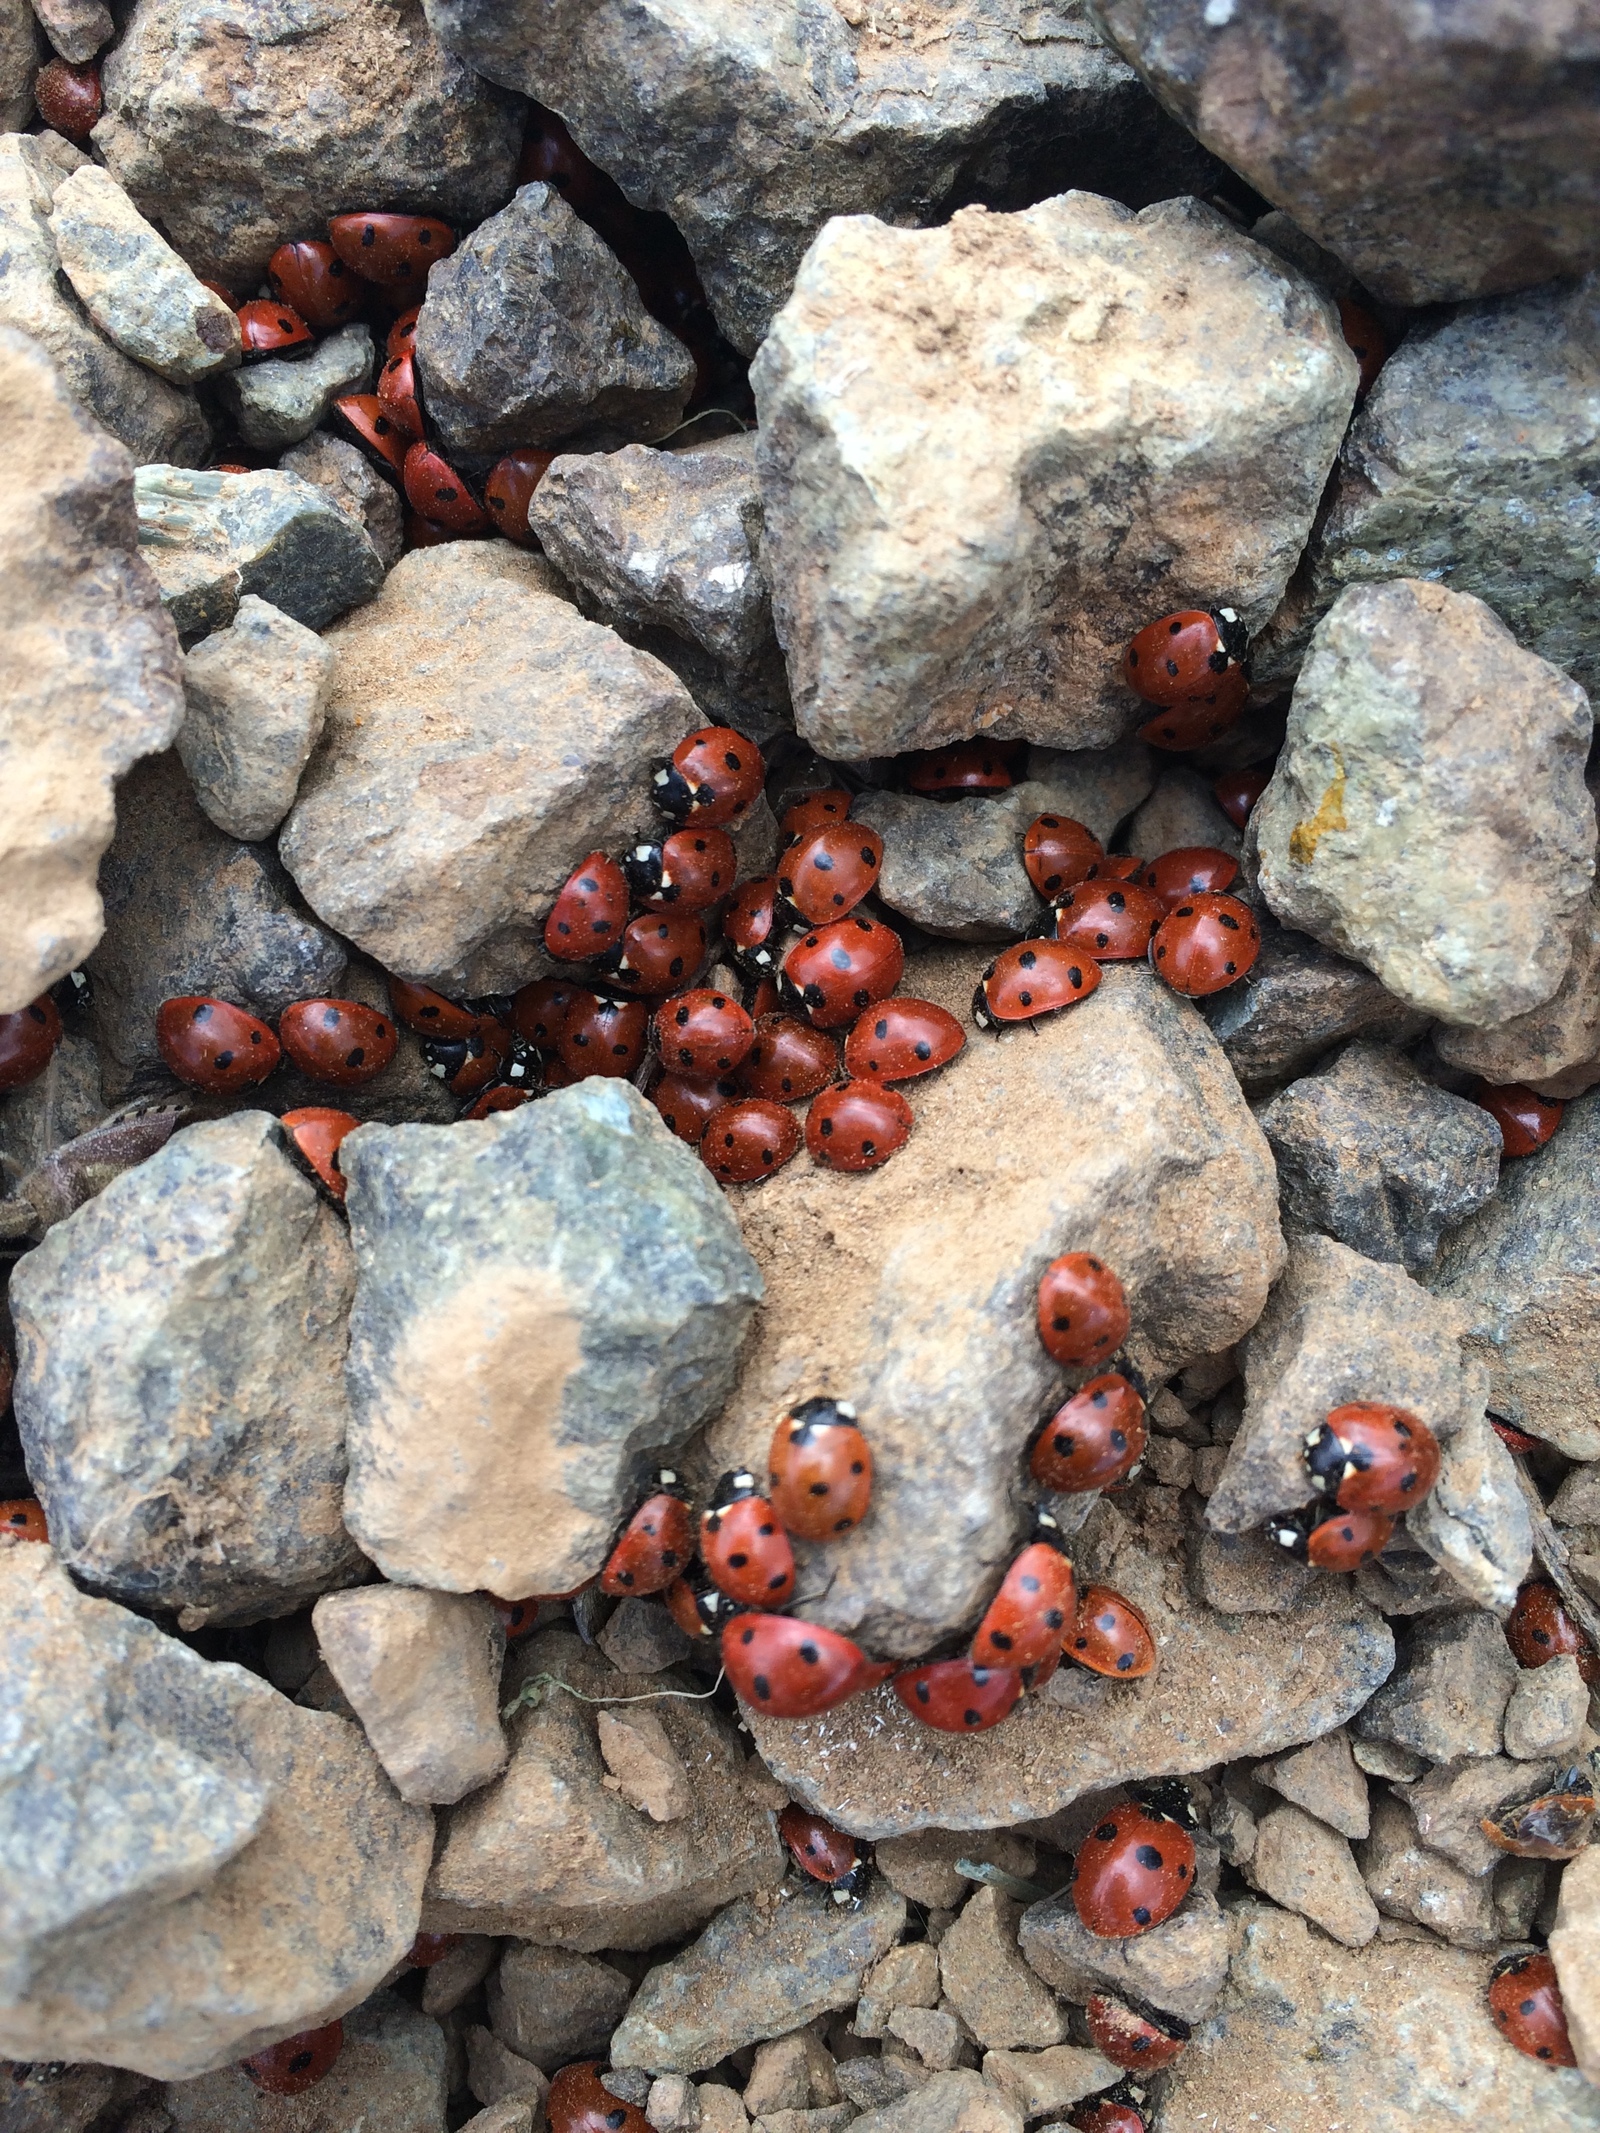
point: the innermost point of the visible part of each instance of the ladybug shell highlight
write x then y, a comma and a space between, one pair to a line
1204, 944
22, 1519
819, 1470
817, 1848
1191, 870
371, 424
311, 276
391, 248
1112, 921
746, 1552
28, 1038
1030, 1614
1526, 1119
789, 1060
954, 1696
317, 1134
686, 1105
590, 910
1135, 2038
826, 872
298, 2063
579, 2103
856, 1126
1556, 1825
1083, 1313
436, 490
1539, 1628
652, 1549
749, 1140
702, 1032
1169, 659
270, 329
1109, 1636
816, 811
1132, 1871
1031, 979
792, 1669
338, 1041
1237, 791
1092, 1442
901, 1038
687, 870
508, 492
1372, 1457
603, 1036
659, 952
714, 775
1525, 2001
1057, 853
215, 1046
840, 969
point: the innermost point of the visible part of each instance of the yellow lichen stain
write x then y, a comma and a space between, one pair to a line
1306, 836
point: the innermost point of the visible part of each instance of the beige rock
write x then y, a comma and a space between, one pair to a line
1178, 1965
721, 2110
791, 2073
77, 29
1325, 1779
1554, 1048
1182, 811
551, 2007
1575, 1949
645, 1767
1307, 1867
512, 2115
1048, 2080
674, 2105
1406, 1880
1451, 1802
985, 1977
458, 1973
1548, 1709
907, 1977
959, 2102
256, 696
933, 2033
496, 2075
390, 2073
923, 1865
1475, 1523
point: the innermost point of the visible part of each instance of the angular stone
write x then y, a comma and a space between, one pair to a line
1548, 1709
958, 2102
674, 2106
94, 678
922, 1866
1179, 1965
1048, 2080
989, 1984
1475, 1523
645, 1767
256, 696
721, 2110
391, 2072
180, 1344
937, 2036
1451, 1801
549, 2007
1180, 813
642, 1638
276, 403
915, 610
1428, 814
871, 2084
1244, 1573
832, 2118
355, 485
954, 868
908, 1977
1324, 1779
1448, 1692
1575, 1949
76, 28
458, 1973
496, 2075
1307, 1867
1406, 1880
512, 2115
1554, 1048
40, 1124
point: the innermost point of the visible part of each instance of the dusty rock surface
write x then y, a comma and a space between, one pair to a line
550, 2007
1324, 1778
1307, 1867
1409, 1880
1448, 1691
990, 1985
76, 28
256, 695
1475, 1522
392, 2072
1547, 1710
1555, 1048
1179, 1965
354, 485
1573, 1949
276, 404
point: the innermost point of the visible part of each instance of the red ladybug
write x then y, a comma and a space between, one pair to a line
900, 1039
857, 1126
1032, 979
397, 391
590, 912
825, 873
689, 869
1169, 660
1094, 1441
518, 1618
393, 249
1135, 2037
338, 1041
371, 424
579, 2103
1539, 1628
748, 1140
1525, 2000
788, 1061
429, 1013
1083, 1312
1058, 852
652, 1549
824, 1853
749, 925
746, 1552
310, 276
659, 952
402, 335
686, 1105
1116, 866
1032, 1612
1110, 1636
714, 775
69, 98
1371, 1457
603, 1036
539, 1010
1555, 1825
1526, 1119
28, 1039
1204, 944
1132, 1871
840, 969
465, 1066
213, 1045
22, 1519
816, 811
1237, 791
969, 766
697, 1607
430, 1948
819, 1469
270, 329
1118, 2110
1206, 716
955, 1696
792, 1669
1192, 870
502, 1098
298, 2063
765, 998
317, 1133
1339, 1540
703, 1032
1367, 341
1113, 922
1514, 1439
437, 491
508, 491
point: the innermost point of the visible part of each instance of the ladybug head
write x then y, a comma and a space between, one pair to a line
645, 869
671, 792
1325, 1459
1291, 1529
1047, 1528
734, 1488
1232, 635
980, 1005
1168, 1798
819, 1412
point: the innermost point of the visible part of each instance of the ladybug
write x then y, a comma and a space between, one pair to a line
402, 335
970, 766
372, 425
578, 2102
339, 1041
397, 391
1237, 791
1118, 2110
826, 1854
1033, 1610
1555, 1825
818, 810
22, 1519
1525, 2000
857, 1126
1205, 717
787, 1668
1192, 870
430, 1948
518, 1618
714, 774
819, 1469
1058, 852
1539, 1628
1337, 1540
1204, 944
429, 1013
1032, 979
1096, 1440
437, 491
658, 952
825, 873
686, 1105
28, 1039
1133, 2036
750, 922
1113, 923
538, 1012
653, 1547
955, 1696
1369, 1457
271, 329
471, 1064
508, 491
1083, 1312
316, 1134
748, 1140
312, 277
70, 98
590, 911
689, 869
1168, 661
391, 248
788, 1061
764, 997
603, 1036
1526, 1119
1514, 1439
1367, 342
298, 2063
1110, 1636
840, 969
501, 1098
745, 1551
1116, 866
697, 1607
1132, 1870
213, 1045
900, 1039
703, 1032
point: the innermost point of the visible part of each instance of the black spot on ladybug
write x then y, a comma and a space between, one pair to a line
224, 1059
1141, 1914
1148, 1856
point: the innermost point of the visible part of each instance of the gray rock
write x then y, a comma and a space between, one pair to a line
577, 1231
870, 2084
1407, 1880
922, 1866
673, 2105
1548, 1709
534, 330
988, 1983
1577, 1501
496, 2075
211, 538
49, 2096
391, 2072
915, 610
1324, 1778
550, 2007
180, 1348
1449, 1690
1475, 1523
957, 2102
1448, 849
276, 403
1387, 1759
752, 1975
1376, 1156
1048, 2080
954, 867
223, 1869
19, 55
76, 28
1307, 1867
1098, 787
642, 1638
1181, 813
1451, 1801
1554, 1048
1179, 1965
1244, 1573
458, 1973
514, 2114
256, 696
355, 485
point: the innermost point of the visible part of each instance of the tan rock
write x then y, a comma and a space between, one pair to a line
1307, 1867
497, 2075
1324, 1778
512, 2115
551, 2007
721, 2110
907, 1977
790, 2073
935, 2034
458, 1973
256, 695
1406, 1880
1548, 1709
958, 2102
1179, 1965
999, 1998
1554, 1048
923, 1865
1575, 1949
390, 2072
1048, 2080
645, 1767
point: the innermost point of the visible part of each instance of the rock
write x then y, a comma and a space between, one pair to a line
1548, 1709
1048, 2080
1387, 1759
548, 2007
1451, 1801
1527, 1273
1448, 849
954, 867
645, 1767
422, 1672
1179, 1965
94, 683
458, 1973
755, 1974
277, 403
481, 738
1573, 1947
180, 1341
390, 2073
187, 910
833, 2118
355, 485
577, 1231
1307, 1867
987, 1981
1448, 1692
211, 538
76, 28
870, 2084
922, 1866
642, 1638
153, 419
1325, 1779
514, 2115
937, 2036
674, 2105
1181, 812
1099, 787
1407, 1880
134, 285
721, 2110
49, 2096
1554, 1048
790, 2073
356, 107
1244, 1573
256, 695
1160, 1168
533, 330
227, 1869
1338, 1327
496, 2075
38, 1123
1374, 1155
958, 2102
1475, 1522
914, 610
908, 1977
547, 1853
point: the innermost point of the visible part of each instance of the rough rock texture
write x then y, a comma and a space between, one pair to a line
1181, 812
1305, 1866
76, 28
1527, 1273
1475, 1523
1064, 358
277, 403
1048, 2080
534, 330
93, 667
642, 1638
242, 129
956, 2102
1480, 119
646, 1770
355, 485
391, 2073
180, 1392
988, 1983
481, 738
548, 1302
1376, 1156
496, 2075
549, 2007
1428, 813
1448, 1691
458, 1973
421, 1670
1548, 1709
1023, 1148
256, 697
1575, 1948
1554, 1048
1325, 1779
1408, 1880
1179, 1965
923, 1867
1449, 1804
195, 1868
